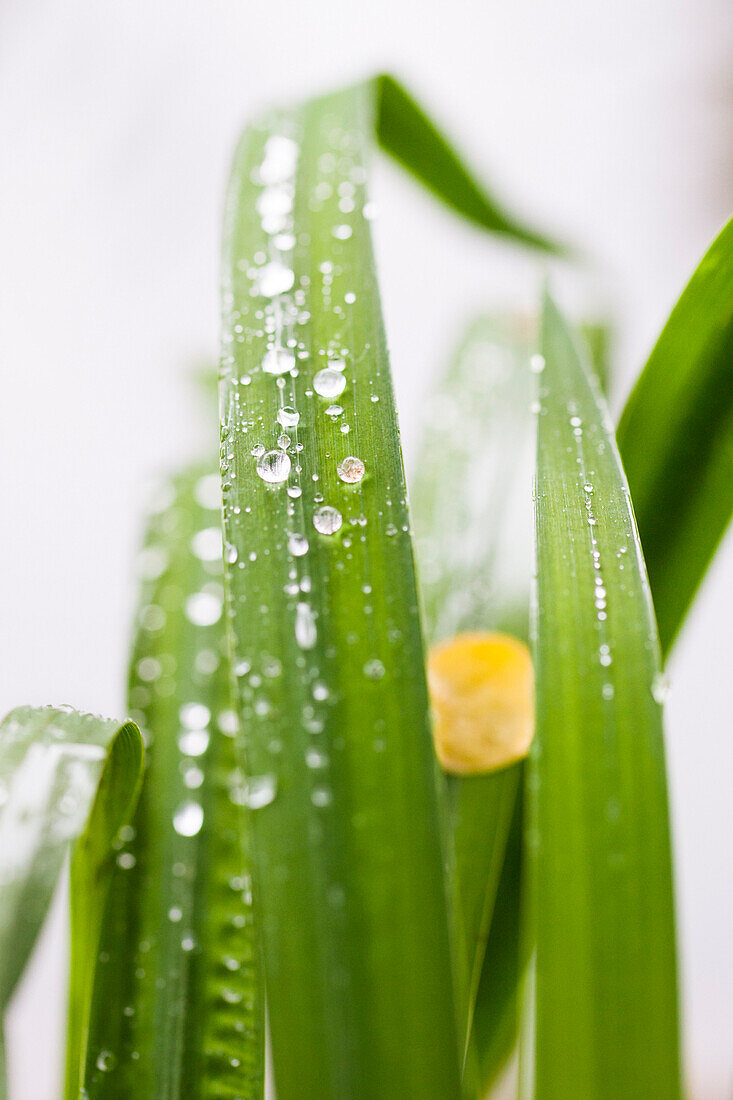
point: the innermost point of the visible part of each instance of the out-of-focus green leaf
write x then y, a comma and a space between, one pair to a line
348, 854
600, 1014
178, 1007
67, 780
676, 438
471, 502
407, 134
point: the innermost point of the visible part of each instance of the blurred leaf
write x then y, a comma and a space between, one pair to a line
178, 1007
328, 657
406, 132
676, 438
471, 502
67, 780
601, 1005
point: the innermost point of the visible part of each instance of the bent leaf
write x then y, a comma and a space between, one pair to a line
407, 134
67, 780
600, 1014
178, 1008
676, 438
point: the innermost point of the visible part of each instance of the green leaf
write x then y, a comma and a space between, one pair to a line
676, 438
66, 780
406, 133
471, 498
600, 1017
178, 1006
328, 657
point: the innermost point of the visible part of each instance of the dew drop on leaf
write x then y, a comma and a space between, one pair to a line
327, 520
274, 467
329, 383
351, 469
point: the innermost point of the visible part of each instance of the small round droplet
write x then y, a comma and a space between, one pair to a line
288, 417
298, 545
203, 608
207, 544
327, 520
278, 361
188, 819
351, 469
194, 716
660, 688
106, 1061
374, 669
306, 634
537, 364
274, 467
329, 383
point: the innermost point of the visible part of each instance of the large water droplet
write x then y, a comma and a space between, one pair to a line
203, 608
194, 716
297, 545
106, 1061
278, 361
274, 467
274, 278
288, 417
306, 634
193, 742
327, 520
329, 383
351, 469
188, 819
260, 790
207, 544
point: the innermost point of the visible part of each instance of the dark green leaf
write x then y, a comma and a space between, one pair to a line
676, 438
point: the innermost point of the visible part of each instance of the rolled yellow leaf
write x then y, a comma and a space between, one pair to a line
482, 697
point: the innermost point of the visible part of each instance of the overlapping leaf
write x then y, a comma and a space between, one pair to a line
67, 780
178, 1006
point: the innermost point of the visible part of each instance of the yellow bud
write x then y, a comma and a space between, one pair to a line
482, 696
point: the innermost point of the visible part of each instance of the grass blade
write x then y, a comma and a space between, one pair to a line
178, 1008
406, 133
347, 845
676, 438
67, 779
471, 497
601, 1008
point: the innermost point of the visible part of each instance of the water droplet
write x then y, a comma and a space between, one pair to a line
660, 688
194, 716
329, 383
203, 608
327, 520
281, 154
288, 417
126, 861
320, 796
537, 364
278, 361
274, 467
306, 634
342, 232
374, 669
297, 545
188, 819
188, 943
106, 1061
193, 742
351, 469
294, 491
334, 410
207, 544
260, 790
274, 278
175, 914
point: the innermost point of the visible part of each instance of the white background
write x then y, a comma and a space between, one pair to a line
609, 124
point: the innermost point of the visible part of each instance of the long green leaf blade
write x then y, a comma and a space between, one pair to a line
67, 780
676, 438
178, 1005
406, 133
347, 845
601, 1009
471, 498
